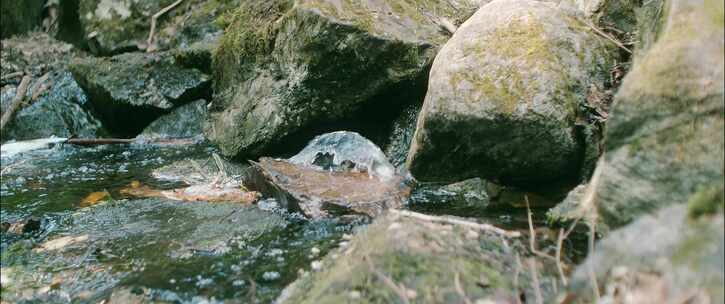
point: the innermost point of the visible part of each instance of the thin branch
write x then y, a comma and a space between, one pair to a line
154, 19
17, 101
559, 243
535, 278
455, 221
608, 37
12, 75
40, 87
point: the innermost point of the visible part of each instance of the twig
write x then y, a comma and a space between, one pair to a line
454, 221
459, 288
517, 271
388, 281
110, 141
592, 276
607, 36
559, 243
154, 19
535, 279
12, 75
17, 100
532, 233
40, 87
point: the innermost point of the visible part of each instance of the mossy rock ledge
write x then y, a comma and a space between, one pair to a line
399, 259
507, 97
287, 70
664, 140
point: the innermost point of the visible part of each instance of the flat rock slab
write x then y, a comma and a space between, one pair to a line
319, 193
142, 86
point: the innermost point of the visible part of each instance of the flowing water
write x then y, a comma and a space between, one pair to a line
165, 250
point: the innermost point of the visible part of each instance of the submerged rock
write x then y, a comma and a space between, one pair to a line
337, 173
320, 193
400, 259
183, 122
659, 258
18, 17
507, 97
665, 136
142, 86
118, 244
290, 68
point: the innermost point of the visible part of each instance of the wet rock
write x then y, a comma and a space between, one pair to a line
207, 192
664, 139
344, 150
479, 194
61, 110
659, 258
56, 105
201, 170
336, 174
319, 193
143, 86
183, 122
402, 135
115, 26
29, 225
104, 248
507, 97
287, 69
18, 17
402, 259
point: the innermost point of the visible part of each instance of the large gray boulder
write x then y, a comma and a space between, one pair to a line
508, 97
286, 70
137, 85
665, 136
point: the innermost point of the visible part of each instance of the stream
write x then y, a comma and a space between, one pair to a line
181, 252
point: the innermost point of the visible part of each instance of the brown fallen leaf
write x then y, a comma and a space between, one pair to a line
94, 197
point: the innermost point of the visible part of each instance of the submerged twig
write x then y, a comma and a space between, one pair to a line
455, 221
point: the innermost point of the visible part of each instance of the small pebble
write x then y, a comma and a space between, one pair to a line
315, 250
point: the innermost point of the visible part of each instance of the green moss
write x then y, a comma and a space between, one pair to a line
708, 200
716, 11
522, 43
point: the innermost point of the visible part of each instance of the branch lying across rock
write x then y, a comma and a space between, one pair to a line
455, 221
154, 19
17, 101
112, 141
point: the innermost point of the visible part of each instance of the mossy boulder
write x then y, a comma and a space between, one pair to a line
664, 140
183, 122
142, 86
18, 17
399, 259
507, 97
287, 70
115, 26
657, 259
